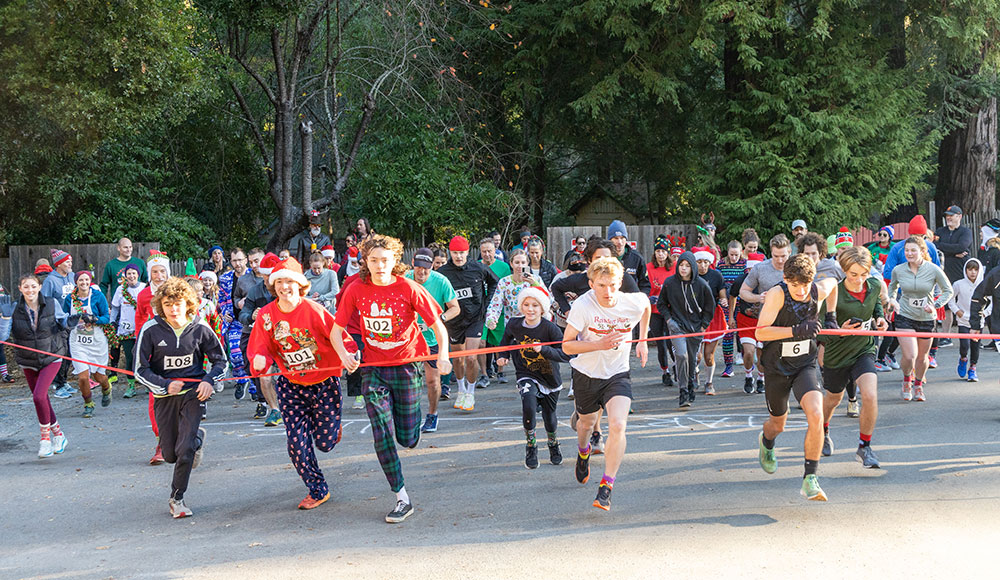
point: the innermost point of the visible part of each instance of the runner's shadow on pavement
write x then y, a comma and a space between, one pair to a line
734, 521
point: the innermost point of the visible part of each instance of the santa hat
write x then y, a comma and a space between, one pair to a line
158, 258
208, 275
754, 259
42, 269
703, 253
676, 251
538, 293
844, 239
458, 244
352, 254
58, 257
288, 268
328, 252
267, 264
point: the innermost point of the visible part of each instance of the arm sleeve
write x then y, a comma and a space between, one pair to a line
491, 280
260, 344
663, 303
642, 279
708, 306
554, 353
893, 284
978, 297
423, 303
116, 302
345, 304
105, 284
246, 313
5, 324
143, 373
559, 289
890, 264
953, 303
495, 309
961, 244
101, 309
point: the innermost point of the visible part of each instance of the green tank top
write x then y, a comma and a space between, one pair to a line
842, 351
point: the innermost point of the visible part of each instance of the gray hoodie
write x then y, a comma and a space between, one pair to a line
689, 303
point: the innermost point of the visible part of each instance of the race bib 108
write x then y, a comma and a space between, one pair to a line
177, 362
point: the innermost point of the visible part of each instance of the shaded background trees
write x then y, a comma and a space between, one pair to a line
225, 121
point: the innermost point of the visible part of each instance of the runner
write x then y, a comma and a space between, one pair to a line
687, 305
599, 322
388, 305
56, 287
762, 278
732, 267
294, 333
707, 272
539, 267
324, 285
961, 305
658, 271
444, 295
32, 322
789, 327
258, 297
158, 266
475, 285
537, 368
229, 311
631, 260
172, 347
123, 307
916, 311
87, 315
851, 359
488, 257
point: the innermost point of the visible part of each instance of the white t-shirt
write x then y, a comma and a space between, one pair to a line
592, 321
126, 319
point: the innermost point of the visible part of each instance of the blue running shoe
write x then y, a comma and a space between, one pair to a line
972, 375
963, 364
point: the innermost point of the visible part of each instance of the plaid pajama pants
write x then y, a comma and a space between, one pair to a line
392, 399
312, 416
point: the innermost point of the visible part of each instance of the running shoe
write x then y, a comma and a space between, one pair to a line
748, 385
892, 361
399, 513
963, 367
531, 456
483, 382
106, 397
199, 452
682, 400
603, 500
728, 372
853, 408
932, 362
596, 443
157, 457
240, 392
113, 378
944, 343
501, 379
45, 448
58, 443
882, 367
972, 377
907, 391
582, 469
7, 378
88, 410
866, 457
555, 456
459, 401
129, 390
359, 402
710, 389
918, 394
309, 502
571, 395
62, 392
811, 489
261, 411
827, 445
739, 359
666, 379
692, 388
273, 418
760, 386
445, 393
430, 424
768, 462
573, 419
178, 509
470, 402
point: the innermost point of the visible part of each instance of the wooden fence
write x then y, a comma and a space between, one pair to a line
560, 240
22, 259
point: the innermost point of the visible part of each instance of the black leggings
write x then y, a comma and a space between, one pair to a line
531, 398
658, 327
964, 346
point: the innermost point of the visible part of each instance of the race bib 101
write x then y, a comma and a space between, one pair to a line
378, 325
299, 358
797, 348
177, 362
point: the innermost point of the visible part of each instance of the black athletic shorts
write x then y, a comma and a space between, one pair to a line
780, 386
593, 394
904, 323
433, 363
836, 380
473, 330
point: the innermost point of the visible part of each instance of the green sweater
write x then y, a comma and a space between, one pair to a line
115, 270
842, 351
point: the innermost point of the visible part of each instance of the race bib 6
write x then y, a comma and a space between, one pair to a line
797, 348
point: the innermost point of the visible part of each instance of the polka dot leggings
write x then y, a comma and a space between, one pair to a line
312, 417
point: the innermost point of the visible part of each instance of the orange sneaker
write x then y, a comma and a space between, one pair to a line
309, 503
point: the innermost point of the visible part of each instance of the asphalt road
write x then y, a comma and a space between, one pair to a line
690, 499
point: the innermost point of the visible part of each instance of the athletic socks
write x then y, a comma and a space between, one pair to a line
864, 440
402, 496
3, 370
711, 372
56, 430
768, 443
826, 428
918, 382
584, 451
46, 430
811, 467
530, 436
552, 438
608, 481
461, 385
749, 372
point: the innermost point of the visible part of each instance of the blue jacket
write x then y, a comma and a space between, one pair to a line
896, 258
98, 306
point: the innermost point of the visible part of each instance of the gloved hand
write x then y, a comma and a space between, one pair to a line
6, 306
807, 330
72, 320
830, 321
88, 319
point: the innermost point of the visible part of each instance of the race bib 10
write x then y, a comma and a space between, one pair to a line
378, 325
463, 293
177, 362
797, 348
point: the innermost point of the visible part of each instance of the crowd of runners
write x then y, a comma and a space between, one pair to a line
306, 332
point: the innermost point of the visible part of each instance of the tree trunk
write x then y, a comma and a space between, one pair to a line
967, 162
307, 165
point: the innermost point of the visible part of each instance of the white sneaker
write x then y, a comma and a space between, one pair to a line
45, 448
739, 360
459, 401
470, 402
178, 509
59, 443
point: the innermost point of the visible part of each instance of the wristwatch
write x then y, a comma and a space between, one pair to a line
443, 319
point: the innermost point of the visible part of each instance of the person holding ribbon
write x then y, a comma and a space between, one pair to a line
88, 315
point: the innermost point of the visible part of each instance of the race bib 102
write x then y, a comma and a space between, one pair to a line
378, 325
177, 362
797, 348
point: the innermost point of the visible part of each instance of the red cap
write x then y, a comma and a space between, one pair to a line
918, 226
43, 269
458, 244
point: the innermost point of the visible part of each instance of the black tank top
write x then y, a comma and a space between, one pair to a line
781, 356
